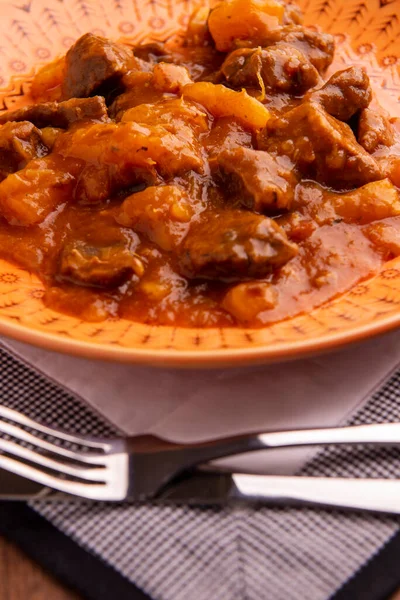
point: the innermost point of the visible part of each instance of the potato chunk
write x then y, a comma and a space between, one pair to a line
385, 235
132, 145
246, 300
162, 213
28, 196
197, 33
170, 78
250, 21
174, 114
139, 90
46, 85
220, 101
372, 202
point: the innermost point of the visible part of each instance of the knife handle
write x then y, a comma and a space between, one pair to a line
377, 495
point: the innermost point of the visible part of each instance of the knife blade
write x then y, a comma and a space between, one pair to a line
201, 488
195, 488
15, 487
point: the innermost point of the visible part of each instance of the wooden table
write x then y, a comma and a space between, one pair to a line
20, 578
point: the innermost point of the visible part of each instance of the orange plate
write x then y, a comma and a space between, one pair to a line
33, 32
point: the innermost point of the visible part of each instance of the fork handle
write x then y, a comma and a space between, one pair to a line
378, 495
192, 455
381, 434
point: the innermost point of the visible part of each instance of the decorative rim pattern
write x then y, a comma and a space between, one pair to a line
35, 32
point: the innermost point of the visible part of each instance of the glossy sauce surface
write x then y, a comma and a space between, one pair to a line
214, 184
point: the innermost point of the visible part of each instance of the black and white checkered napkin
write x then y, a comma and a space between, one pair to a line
214, 553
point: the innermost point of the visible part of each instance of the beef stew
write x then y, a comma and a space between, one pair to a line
228, 181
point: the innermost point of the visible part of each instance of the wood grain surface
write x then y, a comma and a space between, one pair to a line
22, 579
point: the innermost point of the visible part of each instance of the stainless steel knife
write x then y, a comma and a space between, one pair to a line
14, 487
198, 488
149, 469
201, 488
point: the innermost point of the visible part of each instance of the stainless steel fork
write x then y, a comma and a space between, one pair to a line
145, 468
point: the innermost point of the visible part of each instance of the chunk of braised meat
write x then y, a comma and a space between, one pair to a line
234, 244
226, 134
19, 143
318, 47
257, 180
152, 52
202, 62
346, 93
322, 147
60, 114
281, 68
242, 67
91, 62
98, 266
374, 130
287, 69
97, 183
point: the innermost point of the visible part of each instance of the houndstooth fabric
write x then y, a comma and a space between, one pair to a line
234, 553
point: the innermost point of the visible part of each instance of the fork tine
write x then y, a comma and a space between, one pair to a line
98, 474
13, 415
22, 435
84, 490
